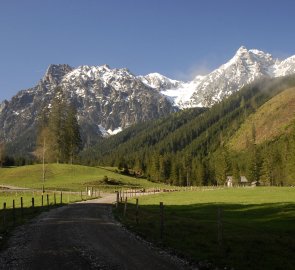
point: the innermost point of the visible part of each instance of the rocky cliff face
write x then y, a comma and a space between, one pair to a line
106, 100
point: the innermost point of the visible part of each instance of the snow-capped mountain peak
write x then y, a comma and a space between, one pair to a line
159, 82
285, 67
55, 73
243, 68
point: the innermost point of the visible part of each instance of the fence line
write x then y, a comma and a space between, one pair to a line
220, 221
23, 206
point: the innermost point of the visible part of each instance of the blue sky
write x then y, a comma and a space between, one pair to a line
177, 38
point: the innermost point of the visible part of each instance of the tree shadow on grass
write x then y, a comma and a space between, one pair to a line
243, 236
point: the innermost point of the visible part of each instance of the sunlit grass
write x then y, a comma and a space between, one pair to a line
67, 177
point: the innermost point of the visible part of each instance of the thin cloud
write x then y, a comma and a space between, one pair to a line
202, 68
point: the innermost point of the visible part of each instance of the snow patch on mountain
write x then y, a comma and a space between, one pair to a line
181, 96
243, 68
106, 133
285, 67
159, 82
115, 131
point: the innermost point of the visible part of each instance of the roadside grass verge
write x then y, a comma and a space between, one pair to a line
255, 231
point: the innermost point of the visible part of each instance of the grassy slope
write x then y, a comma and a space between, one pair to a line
257, 225
271, 120
66, 177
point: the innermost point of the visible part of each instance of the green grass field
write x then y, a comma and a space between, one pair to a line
257, 225
68, 177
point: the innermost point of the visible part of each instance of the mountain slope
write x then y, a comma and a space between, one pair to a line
140, 137
271, 120
195, 147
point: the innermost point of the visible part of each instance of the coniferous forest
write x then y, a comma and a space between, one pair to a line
205, 146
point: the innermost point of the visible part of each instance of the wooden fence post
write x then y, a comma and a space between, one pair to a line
47, 198
117, 199
125, 206
13, 211
219, 227
137, 212
54, 195
42, 199
161, 221
4, 214
61, 197
21, 207
33, 202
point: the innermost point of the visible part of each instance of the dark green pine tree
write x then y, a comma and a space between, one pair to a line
164, 168
290, 159
267, 167
154, 168
254, 164
2, 154
174, 173
254, 161
186, 169
56, 125
236, 173
199, 172
222, 165
72, 133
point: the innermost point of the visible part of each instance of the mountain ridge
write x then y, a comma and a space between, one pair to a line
243, 68
109, 100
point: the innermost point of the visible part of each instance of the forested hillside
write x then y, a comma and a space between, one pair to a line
193, 147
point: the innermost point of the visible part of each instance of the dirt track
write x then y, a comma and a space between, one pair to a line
81, 236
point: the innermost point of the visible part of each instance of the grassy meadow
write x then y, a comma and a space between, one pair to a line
69, 177
255, 229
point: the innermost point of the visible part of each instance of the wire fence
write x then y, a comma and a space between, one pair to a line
215, 230
16, 207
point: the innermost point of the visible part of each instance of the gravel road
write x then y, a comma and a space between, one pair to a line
82, 236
